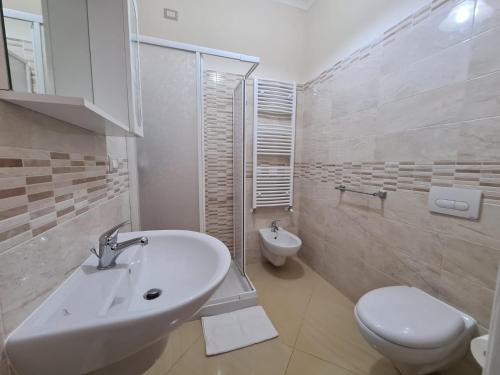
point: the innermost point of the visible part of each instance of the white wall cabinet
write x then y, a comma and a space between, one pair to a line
91, 52
113, 31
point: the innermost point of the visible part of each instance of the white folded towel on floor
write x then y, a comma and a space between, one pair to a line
230, 331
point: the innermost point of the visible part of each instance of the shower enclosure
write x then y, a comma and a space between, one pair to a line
191, 162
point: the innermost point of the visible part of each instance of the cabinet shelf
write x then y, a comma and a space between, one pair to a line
76, 111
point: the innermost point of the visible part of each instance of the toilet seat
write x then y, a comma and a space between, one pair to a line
417, 332
410, 318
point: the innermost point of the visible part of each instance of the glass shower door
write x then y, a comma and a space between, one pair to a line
239, 175
168, 159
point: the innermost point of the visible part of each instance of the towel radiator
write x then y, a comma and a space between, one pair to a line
273, 143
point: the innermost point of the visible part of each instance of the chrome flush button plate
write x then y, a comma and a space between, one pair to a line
464, 203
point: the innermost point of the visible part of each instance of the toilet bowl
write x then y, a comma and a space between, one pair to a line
277, 246
417, 332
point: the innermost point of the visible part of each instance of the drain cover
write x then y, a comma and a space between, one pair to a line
152, 294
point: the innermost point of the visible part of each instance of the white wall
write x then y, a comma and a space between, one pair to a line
263, 28
293, 44
336, 28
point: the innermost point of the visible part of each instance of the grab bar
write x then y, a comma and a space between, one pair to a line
381, 193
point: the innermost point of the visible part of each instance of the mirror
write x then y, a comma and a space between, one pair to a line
23, 24
48, 47
75, 48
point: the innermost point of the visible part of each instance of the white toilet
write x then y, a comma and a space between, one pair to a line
417, 332
277, 244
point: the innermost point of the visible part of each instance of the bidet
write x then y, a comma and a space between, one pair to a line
277, 244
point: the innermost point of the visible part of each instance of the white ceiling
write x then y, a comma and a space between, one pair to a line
301, 4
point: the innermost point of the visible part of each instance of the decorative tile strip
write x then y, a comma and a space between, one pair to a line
218, 148
389, 36
407, 175
41, 189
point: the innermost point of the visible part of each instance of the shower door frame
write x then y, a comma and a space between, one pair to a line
200, 51
246, 298
240, 263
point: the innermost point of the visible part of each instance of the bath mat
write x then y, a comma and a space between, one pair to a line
238, 329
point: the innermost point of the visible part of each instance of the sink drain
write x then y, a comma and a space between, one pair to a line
152, 294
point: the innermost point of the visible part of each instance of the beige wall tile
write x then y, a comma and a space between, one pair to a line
436, 122
33, 264
480, 140
29, 271
441, 106
469, 297
436, 32
482, 97
415, 145
443, 68
424, 246
403, 268
352, 149
355, 98
487, 15
477, 263
484, 59
344, 270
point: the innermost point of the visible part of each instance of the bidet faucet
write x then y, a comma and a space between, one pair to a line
274, 226
110, 248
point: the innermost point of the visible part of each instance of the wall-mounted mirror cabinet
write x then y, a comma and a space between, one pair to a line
83, 49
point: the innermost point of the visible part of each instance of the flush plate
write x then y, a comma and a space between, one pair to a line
459, 202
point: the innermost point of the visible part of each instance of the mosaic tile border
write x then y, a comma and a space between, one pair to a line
408, 175
218, 148
386, 38
41, 189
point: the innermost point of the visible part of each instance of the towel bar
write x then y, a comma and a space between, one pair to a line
381, 193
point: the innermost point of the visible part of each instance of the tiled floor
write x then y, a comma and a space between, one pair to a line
318, 334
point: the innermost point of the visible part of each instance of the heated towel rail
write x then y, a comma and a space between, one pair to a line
273, 143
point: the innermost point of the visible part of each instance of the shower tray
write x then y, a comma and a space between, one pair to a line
236, 292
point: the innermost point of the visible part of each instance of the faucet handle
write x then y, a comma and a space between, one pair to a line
94, 251
108, 236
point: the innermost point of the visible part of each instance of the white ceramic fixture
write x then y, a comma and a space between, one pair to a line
479, 349
418, 332
273, 184
97, 318
277, 246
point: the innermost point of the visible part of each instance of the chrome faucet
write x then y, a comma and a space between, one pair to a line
274, 226
110, 248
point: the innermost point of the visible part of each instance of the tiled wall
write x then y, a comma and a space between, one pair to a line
218, 148
418, 107
218, 115
56, 197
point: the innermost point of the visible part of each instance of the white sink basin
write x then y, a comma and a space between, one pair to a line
96, 318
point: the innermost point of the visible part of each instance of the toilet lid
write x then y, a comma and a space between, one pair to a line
409, 317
